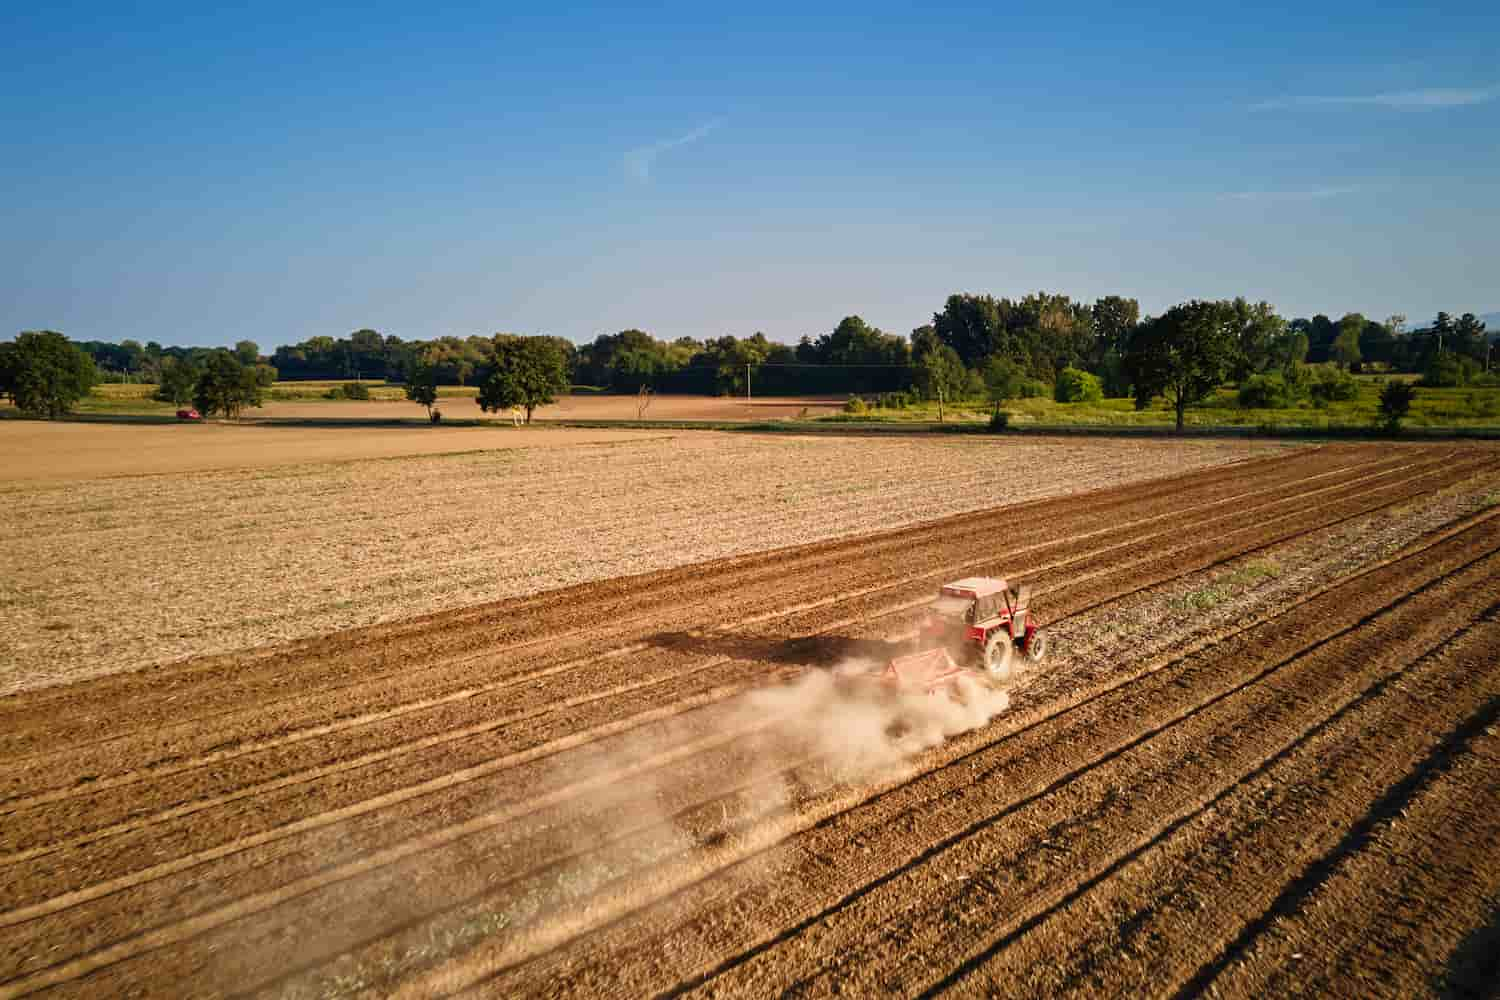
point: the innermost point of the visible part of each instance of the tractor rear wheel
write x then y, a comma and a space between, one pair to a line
997, 656
1036, 646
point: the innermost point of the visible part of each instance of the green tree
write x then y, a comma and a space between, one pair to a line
421, 385
1345, 349
1395, 404
527, 372
226, 386
1002, 381
178, 381
1289, 348
1076, 386
942, 376
7, 370
1182, 354
1260, 330
1115, 319
247, 352
45, 374
1468, 336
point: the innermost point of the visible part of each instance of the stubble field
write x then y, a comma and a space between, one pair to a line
1262, 758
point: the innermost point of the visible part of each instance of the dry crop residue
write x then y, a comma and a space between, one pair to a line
106, 575
653, 785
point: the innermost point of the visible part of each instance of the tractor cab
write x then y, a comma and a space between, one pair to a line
983, 613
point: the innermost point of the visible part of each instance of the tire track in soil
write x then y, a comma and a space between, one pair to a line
474, 706
1388, 913
387, 951
549, 616
1214, 883
625, 598
847, 853
153, 846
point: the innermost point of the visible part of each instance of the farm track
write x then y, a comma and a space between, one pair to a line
149, 850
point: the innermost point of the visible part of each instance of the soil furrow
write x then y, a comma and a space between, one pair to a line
1105, 721
34, 718
78, 873
1208, 887
87, 780
981, 889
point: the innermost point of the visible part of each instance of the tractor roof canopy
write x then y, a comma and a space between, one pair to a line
974, 586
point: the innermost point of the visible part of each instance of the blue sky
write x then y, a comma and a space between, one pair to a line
178, 174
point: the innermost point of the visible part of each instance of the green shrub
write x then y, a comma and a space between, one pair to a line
1075, 386
1395, 404
356, 390
1265, 392
1330, 385
999, 420
1031, 388
856, 404
332, 392
1448, 371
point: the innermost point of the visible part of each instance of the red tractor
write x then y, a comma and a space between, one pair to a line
985, 620
977, 622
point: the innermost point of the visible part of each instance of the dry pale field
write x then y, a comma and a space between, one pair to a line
99, 575
36, 450
1261, 759
580, 406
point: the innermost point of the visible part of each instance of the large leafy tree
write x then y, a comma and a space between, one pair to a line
1115, 318
1259, 330
1183, 354
526, 372
421, 384
178, 381
1468, 336
1345, 350
226, 386
45, 374
941, 375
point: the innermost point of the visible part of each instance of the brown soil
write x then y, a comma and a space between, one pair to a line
100, 575
566, 794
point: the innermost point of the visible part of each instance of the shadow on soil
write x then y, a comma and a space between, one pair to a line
812, 651
1473, 970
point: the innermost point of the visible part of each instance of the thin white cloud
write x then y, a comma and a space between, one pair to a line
1429, 99
1303, 194
638, 162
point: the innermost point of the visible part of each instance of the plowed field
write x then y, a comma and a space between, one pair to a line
650, 785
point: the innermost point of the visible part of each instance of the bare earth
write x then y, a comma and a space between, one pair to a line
1261, 759
580, 406
98, 575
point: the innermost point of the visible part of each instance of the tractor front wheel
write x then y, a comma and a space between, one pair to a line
997, 652
1036, 646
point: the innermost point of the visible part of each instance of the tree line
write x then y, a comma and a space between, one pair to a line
977, 346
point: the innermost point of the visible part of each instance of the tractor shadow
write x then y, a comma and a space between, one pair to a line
822, 651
